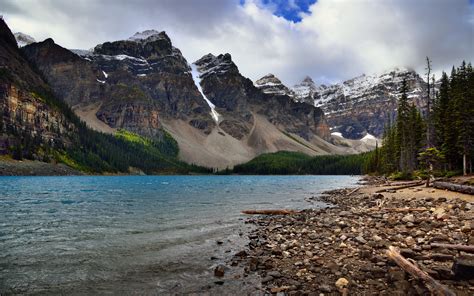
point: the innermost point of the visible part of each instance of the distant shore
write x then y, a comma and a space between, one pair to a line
9, 167
343, 248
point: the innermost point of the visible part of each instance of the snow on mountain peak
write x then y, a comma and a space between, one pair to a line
270, 84
149, 35
211, 64
23, 39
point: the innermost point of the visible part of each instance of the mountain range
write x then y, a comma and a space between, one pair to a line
356, 107
144, 85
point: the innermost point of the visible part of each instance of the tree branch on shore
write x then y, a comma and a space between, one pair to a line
400, 187
270, 212
465, 248
433, 285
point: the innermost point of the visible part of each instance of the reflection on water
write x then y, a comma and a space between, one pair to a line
85, 235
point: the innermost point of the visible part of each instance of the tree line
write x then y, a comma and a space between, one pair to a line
297, 163
442, 141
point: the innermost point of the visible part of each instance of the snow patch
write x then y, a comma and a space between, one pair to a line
141, 75
369, 138
105, 74
143, 35
337, 134
197, 82
101, 81
23, 39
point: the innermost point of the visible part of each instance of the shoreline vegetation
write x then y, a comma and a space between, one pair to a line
348, 247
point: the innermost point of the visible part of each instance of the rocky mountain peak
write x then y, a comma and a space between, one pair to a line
6, 35
305, 90
23, 39
149, 36
211, 64
365, 103
308, 80
270, 84
148, 44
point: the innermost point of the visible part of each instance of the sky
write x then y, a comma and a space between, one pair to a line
329, 40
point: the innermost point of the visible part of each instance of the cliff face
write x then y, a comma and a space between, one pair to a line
237, 98
134, 82
363, 104
27, 119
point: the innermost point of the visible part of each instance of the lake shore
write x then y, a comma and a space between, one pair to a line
10, 167
343, 248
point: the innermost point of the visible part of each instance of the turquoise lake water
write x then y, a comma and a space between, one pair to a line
133, 234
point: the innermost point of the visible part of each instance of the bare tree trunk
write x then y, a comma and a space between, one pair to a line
464, 164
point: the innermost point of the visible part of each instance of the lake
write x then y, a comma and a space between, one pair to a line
134, 234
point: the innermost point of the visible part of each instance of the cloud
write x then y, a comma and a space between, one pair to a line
335, 40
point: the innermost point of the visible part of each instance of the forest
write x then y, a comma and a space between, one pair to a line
439, 143
94, 152
297, 163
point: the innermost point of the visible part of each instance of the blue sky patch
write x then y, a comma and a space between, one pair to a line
289, 9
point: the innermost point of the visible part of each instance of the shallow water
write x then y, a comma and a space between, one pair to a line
133, 234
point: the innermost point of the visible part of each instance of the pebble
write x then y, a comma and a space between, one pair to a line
309, 251
341, 283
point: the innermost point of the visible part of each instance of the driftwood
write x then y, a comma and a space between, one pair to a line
270, 212
465, 248
433, 285
397, 210
353, 191
454, 187
400, 187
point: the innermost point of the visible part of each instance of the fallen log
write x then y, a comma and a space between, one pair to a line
465, 248
400, 187
353, 191
467, 189
397, 210
433, 285
270, 212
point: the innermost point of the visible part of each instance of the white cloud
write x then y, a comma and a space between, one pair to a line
337, 40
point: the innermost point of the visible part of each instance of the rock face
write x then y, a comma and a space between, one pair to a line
238, 99
144, 84
26, 117
270, 84
306, 90
363, 104
134, 82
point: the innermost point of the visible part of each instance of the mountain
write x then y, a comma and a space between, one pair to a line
38, 125
270, 84
26, 119
23, 39
364, 104
144, 85
306, 90
126, 84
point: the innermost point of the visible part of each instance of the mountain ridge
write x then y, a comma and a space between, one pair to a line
145, 85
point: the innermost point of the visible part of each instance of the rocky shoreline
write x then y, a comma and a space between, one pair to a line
10, 167
342, 249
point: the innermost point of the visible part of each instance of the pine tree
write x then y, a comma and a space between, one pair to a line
402, 131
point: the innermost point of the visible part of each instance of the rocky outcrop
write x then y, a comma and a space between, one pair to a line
27, 118
270, 84
363, 104
306, 90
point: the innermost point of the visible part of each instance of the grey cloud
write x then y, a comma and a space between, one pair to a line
336, 41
